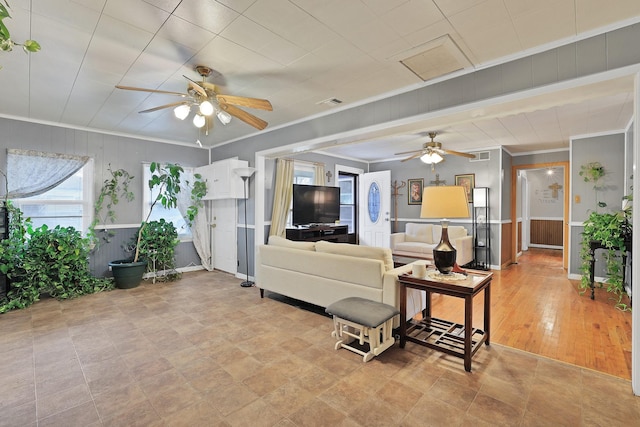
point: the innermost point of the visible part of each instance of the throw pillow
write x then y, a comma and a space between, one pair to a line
370, 252
281, 241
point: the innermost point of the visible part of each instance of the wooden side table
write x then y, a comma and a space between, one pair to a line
460, 340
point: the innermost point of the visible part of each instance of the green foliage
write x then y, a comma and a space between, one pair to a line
44, 260
167, 179
594, 172
6, 43
610, 229
158, 243
113, 189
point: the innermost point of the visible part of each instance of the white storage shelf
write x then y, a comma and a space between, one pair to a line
222, 181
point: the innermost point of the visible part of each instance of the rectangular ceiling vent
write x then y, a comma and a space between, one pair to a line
481, 156
330, 101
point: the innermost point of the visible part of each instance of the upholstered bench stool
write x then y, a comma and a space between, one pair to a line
365, 320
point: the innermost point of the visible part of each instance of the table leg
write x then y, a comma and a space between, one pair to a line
403, 315
468, 328
487, 313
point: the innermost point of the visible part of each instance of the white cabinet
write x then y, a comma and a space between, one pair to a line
222, 181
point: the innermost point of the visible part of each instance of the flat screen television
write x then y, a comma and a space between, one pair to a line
315, 204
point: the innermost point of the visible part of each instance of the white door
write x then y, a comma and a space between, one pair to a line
375, 209
224, 235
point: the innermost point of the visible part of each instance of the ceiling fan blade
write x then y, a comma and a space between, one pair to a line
412, 157
139, 89
173, 104
196, 86
408, 152
248, 118
242, 101
458, 153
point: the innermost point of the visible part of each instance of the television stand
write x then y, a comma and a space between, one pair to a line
329, 233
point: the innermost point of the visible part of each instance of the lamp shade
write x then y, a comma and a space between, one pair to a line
431, 158
245, 172
206, 108
182, 111
447, 201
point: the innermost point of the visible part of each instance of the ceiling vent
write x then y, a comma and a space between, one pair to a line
481, 156
434, 59
330, 101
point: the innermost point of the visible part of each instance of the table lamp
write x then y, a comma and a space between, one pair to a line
448, 201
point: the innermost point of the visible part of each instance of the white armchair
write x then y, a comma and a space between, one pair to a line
420, 239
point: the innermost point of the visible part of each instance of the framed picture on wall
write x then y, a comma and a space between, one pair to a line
415, 191
468, 181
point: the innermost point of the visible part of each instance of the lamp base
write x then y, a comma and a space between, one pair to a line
444, 255
247, 284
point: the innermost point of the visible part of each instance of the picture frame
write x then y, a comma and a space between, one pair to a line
414, 191
468, 181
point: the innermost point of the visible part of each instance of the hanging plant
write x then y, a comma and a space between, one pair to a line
594, 172
113, 189
6, 42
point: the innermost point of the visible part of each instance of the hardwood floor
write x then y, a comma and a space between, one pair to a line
535, 308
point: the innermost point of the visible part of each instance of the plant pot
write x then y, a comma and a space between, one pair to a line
127, 274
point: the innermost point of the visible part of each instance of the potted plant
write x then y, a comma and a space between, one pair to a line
166, 179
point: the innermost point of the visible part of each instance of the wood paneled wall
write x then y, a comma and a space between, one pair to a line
546, 232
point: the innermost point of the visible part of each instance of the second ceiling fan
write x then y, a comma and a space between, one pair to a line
432, 152
209, 101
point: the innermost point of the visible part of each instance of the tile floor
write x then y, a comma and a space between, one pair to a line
203, 351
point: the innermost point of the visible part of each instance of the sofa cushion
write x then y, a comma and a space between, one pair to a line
455, 232
281, 241
370, 252
418, 233
419, 248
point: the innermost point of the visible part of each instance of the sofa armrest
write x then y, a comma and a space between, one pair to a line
464, 247
395, 239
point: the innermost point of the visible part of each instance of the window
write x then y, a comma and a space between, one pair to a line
172, 215
348, 197
69, 204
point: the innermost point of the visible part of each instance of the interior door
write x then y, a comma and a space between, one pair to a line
224, 235
375, 208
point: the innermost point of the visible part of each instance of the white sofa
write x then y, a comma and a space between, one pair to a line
420, 239
322, 273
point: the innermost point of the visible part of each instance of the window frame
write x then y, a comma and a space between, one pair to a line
86, 201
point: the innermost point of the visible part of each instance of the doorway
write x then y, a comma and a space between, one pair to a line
517, 196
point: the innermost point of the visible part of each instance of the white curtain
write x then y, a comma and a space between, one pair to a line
200, 227
30, 172
318, 173
282, 197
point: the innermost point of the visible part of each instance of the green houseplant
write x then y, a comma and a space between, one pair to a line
611, 231
166, 179
158, 245
6, 42
113, 189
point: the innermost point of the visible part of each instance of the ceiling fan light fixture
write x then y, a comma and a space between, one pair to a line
206, 108
224, 117
182, 111
431, 158
199, 120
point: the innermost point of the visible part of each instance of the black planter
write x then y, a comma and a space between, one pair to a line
127, 274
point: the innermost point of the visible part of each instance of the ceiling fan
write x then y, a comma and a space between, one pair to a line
432, 152
206, 97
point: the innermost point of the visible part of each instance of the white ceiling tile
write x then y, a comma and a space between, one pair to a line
210, 15
137, 13
238, 5
185, 34
451, 7
552, 21
591, 14
290, 22
412, 16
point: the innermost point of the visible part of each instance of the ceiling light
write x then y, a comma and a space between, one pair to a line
199, 120
182, 111
224, 117
431, 158
206, 108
